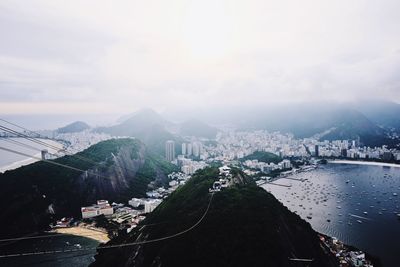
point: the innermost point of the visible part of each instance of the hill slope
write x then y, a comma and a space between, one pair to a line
245, 226
74, 127
146, 125
263, 156
118, 169
197, 128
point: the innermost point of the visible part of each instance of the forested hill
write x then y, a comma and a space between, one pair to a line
117, 170
244, 226
263, 156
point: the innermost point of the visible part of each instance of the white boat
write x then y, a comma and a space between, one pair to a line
359, 221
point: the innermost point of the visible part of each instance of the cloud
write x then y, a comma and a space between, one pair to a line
129, 54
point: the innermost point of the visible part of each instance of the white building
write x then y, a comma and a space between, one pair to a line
189, 149
183, 148
102, 207
286, 164
150, 205
170, 150
135, 202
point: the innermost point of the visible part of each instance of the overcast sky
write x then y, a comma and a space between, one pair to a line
117, 56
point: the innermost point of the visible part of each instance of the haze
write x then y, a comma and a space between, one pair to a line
98, 57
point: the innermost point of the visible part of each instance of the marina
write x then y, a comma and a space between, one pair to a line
358, 204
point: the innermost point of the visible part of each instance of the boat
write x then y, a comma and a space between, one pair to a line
395, 194
366, 213
309, 217
359, 221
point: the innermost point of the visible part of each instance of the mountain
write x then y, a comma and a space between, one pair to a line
384, 113
243, 226
148, 126
74, 127
263, 157
197, 128
142, 118
117, 170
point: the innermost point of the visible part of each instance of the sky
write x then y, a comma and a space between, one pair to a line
98, 57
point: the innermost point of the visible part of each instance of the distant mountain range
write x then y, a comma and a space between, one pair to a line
371, 122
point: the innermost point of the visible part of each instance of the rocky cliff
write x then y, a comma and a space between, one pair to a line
34, 195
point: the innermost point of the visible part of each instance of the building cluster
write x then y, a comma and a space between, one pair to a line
224, 181
267, 167
177, 178
350, 149
81, 140
192, 149
130, 215
344, 254
189, 166
236, 145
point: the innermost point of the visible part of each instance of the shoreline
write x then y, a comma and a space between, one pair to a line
95, 234
370, 163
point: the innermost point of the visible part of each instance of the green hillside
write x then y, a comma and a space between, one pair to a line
118, 170
245, 226
146, 125
263, 156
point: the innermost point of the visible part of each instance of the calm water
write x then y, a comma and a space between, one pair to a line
76, 259
358, 200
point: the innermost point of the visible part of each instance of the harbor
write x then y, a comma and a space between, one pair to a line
358, 204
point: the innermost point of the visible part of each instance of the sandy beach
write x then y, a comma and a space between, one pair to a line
98, 235
372, 163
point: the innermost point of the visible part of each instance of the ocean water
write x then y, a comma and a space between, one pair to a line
58, 242
355, 203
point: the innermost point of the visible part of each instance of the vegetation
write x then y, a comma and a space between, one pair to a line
74, 127
148, 126
263, 157
34, 195
245, 226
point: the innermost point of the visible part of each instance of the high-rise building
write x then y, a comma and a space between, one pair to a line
183, 148
170, 150
196, 149
189, 149
316, 150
